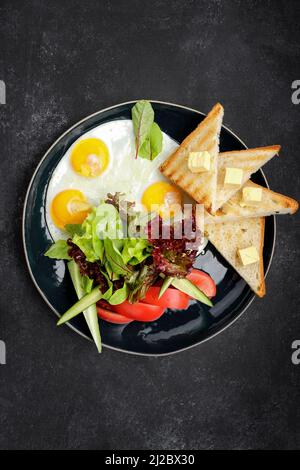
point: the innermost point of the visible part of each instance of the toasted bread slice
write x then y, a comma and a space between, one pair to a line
200, 186
229, 237
271, 204
250, 161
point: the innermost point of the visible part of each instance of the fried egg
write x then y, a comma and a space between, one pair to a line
164, 197
103, 161
69, 207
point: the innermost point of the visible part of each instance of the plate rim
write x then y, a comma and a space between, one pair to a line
134, 353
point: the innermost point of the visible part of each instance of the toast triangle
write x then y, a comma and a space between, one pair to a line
271, 204
200, 186
250, 161
229, 237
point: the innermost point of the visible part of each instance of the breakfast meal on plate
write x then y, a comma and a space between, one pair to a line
122, 208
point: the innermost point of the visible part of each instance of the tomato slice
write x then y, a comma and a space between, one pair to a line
172, 298
112, 317
203, 281
139, 311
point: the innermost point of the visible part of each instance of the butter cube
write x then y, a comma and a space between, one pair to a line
199, 162
233, 177
248, 255
252, 195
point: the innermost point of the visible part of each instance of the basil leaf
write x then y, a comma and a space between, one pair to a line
115, 258
153, 144
156, 139
119, 295
148, 136
142, 119
59, 250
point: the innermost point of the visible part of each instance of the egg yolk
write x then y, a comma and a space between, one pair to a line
162, 196
69, 207
90, 157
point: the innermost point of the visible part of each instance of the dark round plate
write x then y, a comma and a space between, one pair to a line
175, 330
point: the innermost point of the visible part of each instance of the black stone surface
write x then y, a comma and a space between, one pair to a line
62, 60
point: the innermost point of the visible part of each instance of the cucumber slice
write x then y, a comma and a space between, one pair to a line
190, 289
90, 314
81, 305
167, 282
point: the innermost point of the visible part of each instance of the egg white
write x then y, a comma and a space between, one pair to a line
125, 173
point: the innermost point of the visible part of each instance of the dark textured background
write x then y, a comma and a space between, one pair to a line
63, 60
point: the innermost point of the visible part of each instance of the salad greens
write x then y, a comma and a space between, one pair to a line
115, 259
74, 229
105, 265
141, 281
100, 241
135, 250
148, 136
104, 221
59, 250
119, 296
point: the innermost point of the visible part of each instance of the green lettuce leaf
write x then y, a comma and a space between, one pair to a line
119, 295
142, 118
135, 250
74, 229
115, 258
103, 222
156, 140
59, 250
108, 293
148, 136
140, 282
152, 146
87, 284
